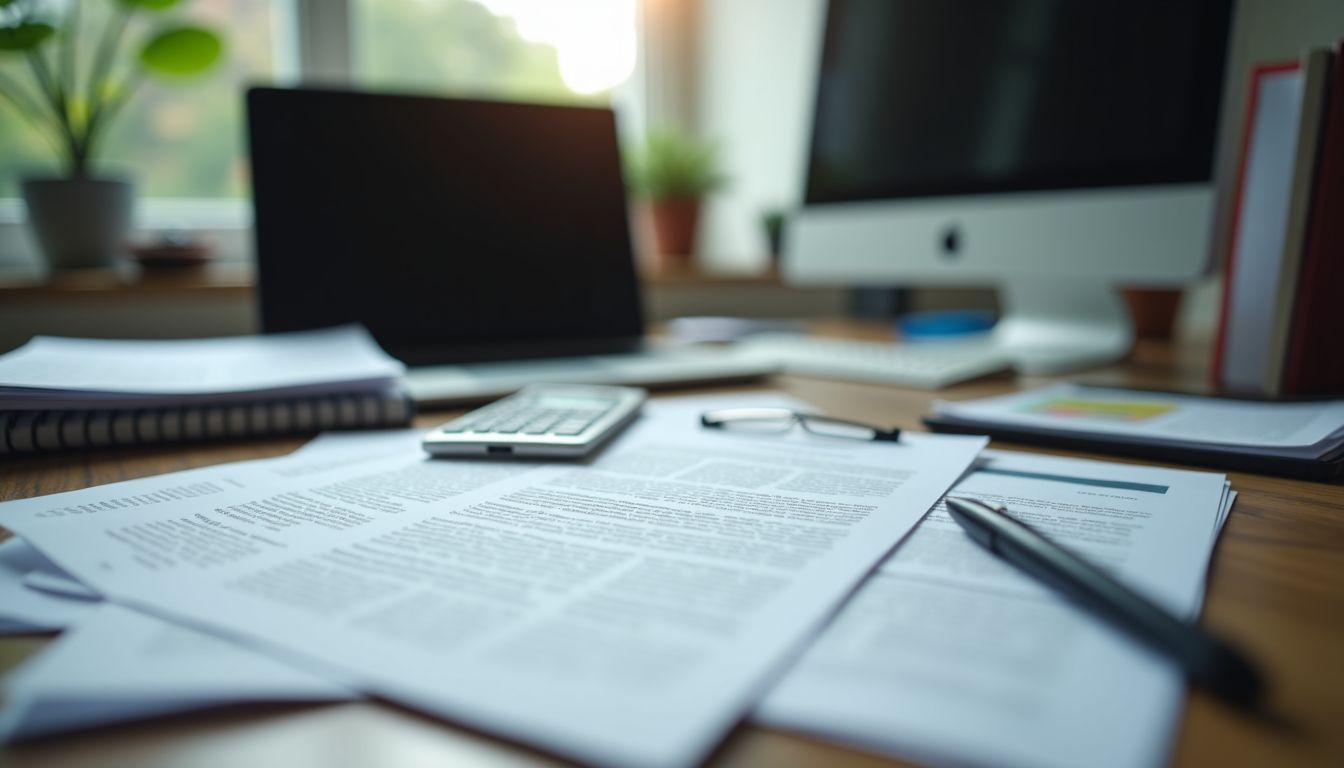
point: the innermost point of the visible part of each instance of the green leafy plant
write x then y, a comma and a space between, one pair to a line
673, 166
76, 103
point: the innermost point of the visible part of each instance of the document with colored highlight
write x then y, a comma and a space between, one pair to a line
950, 655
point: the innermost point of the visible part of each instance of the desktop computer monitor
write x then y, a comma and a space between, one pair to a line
1053, 148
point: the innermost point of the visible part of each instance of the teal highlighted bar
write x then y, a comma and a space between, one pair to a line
1117, 484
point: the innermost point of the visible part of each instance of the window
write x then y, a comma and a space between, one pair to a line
184, 144
176, 140
543, 50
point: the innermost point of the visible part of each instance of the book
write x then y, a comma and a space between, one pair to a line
1315, 74
1312, 368
1274, 194
59, 393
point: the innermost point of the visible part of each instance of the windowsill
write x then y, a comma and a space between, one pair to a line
128, 282
219, 300
231, 278
226, 224
693, 275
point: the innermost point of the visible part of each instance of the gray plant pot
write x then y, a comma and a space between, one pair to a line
79, 223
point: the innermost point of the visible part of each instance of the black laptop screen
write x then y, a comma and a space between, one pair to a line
452, 229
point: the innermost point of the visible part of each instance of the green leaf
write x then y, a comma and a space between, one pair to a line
25, 36
181, 51
4, 3
150, 5
673, 165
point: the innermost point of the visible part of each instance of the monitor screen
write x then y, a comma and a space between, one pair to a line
921, 98
453, 229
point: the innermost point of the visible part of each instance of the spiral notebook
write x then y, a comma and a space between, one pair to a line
60, 393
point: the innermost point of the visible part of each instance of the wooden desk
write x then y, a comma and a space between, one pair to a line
1276, 587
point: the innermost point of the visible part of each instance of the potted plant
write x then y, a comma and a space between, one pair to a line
772, 223
76, 90
674, 172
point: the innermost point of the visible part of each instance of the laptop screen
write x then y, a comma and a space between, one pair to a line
453, 229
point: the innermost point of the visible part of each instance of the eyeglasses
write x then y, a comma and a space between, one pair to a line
778, 420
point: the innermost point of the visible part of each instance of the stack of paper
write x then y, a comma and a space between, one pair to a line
94, 372
622, 612
644, 599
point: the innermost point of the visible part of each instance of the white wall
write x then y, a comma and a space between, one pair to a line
758, 68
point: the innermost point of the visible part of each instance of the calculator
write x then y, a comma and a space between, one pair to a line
540, 420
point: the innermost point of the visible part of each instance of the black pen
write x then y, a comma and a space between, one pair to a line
1208, 662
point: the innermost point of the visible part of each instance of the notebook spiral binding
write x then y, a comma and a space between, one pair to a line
50, 430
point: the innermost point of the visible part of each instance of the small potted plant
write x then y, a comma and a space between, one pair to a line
77, 89
772, 224
674, 172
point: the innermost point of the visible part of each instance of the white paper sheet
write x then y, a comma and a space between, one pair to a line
623, 612
120, 665
24, 609
36, 596
950, 655
59, 369
1288, 428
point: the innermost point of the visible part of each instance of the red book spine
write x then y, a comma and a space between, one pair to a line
1229, 261
1315, 364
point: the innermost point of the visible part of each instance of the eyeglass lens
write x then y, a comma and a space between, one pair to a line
820, 425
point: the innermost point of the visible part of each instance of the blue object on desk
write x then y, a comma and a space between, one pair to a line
945, 326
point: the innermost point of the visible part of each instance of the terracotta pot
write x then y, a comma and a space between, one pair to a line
1154, 311
674, 225
79, 223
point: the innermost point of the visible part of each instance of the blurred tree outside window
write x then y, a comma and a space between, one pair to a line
174, 141
574, 51
188, 140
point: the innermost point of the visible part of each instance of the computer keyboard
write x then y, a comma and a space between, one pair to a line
656, 365
926, 365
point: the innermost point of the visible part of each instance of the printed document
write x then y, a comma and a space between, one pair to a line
948, 654
120, 665
25, 609
624, 611
37, 596
1285, 429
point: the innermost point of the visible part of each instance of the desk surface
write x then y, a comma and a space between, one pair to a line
1276, 587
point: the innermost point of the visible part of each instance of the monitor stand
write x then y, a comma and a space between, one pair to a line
1049, 326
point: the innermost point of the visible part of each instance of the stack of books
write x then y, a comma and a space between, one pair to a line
1281, 318
58, 393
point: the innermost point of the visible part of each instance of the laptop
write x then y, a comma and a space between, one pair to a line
485, 244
